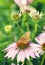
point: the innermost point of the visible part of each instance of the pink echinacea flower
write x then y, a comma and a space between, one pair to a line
23, 49
41, 40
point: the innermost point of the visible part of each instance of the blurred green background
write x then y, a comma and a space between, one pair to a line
6, 7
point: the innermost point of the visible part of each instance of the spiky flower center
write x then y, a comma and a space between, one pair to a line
16, 16
24, 41
27, 11
36, 17
43, 46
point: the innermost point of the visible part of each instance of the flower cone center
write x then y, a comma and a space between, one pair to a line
27, 11
36, 17
16, 16
43, 46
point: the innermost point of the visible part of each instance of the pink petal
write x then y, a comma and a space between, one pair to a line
36, 54
40, 38
26, 54
21, 56
12, 53
8, 53
40, 51
17, 2
33, 45
20, 3
13, 45
31, 53
29, 1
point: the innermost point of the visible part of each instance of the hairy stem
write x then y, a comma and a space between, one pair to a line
35, 31
43, 59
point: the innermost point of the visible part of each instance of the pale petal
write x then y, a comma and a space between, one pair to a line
33, 45
36, 54
26, 54
31, 53
14, 54
21, 56
13, 46
40, 51
10, 54
29, 1
24, 2
40, 38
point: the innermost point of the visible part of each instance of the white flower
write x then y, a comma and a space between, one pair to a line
22, 3
15, 15
35, 14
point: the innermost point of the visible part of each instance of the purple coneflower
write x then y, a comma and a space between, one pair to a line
23, 49
23, 4
41, 40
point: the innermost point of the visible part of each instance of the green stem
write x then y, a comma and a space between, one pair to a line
24, 17
28, 27
43, 59
19, 29
29, 62
35, 31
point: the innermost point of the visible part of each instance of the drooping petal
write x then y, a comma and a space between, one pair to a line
31, 53
33, 45
26, 54
13, 46
40, 51
12, 53
8, 53
36, 54
21, 56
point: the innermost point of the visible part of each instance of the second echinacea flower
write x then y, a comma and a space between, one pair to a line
41, 40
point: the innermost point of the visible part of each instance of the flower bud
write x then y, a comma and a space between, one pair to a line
8, 28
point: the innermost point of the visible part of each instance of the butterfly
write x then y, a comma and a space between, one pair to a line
23, 41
